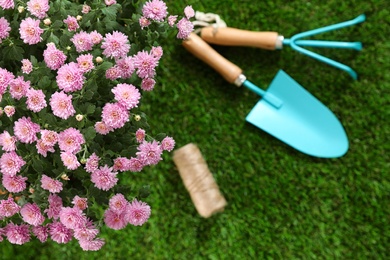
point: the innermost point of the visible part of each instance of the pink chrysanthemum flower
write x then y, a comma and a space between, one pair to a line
172, 20
11, 163
52, 185
18, 234
113, 73
38, 8
70, 78
26, 130
110, 2
86, 9
118, 203
30, 32
92, 245
136, 165
14, 183
55, 206
43, 148
126, 67
31, 214
104, 178
148, 84
95, 37
115, 220
7, 4
185, 27
41, 232
115, 45
138, 213
26, 66
18, 87
5, 78
35, 100
82, 41
127, 95
149, 152
53, 57
92, 163
61, 105
115, 115
121, 164
72, 23
8, 208
49, 137
85, 233
102, 128
7, 141
85, 62
72, 217
155, 10
167, 144
9, 110
70, 140
143, 22
189, 12
59, 233
157, 52
145, 63
80, 203
140, 135
4, 29
70, 160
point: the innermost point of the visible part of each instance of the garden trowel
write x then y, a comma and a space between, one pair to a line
286, 111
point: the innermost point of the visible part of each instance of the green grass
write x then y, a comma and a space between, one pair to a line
281, 204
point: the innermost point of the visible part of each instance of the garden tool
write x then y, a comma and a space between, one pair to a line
287, 111
273, 41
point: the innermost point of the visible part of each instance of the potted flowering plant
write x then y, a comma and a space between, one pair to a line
71, 79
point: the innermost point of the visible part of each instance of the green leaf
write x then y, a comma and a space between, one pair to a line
89, 133
144, 192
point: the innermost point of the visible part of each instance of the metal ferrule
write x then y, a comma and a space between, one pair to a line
279, 42
240, 80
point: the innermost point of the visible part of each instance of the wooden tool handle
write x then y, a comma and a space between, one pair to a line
204, 52
236, 37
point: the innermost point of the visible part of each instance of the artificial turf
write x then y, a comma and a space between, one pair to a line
282, 204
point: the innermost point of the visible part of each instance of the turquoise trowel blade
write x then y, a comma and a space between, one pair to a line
302, 122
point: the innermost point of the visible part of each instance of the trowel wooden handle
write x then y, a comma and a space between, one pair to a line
204, 52
236, 37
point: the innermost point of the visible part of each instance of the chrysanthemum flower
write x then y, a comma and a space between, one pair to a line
115, 45
86, 9
172, 20
149, 152
121, 164
126, 67
80, 203
8, 208
15, 184
18, 87
18, 234
82, 41
167, 144
41, 232
72, 23
26, 130
115, 220
69, 160
189, 12
143, 22
92, 163
113, 73
157, 51
31, 214
26, 66
5, 78
70, 140
30, 32
43, 148
127, 95
104, 178
4, 29
11, 163
52, 185
59, 233
85, 233
61, 105
138, 213
155, 10
185, 27
53, 57
35, 100
70, 78
55, 206
148, 84
95, 37
7, 141
115, 115
92, 245
145, 63
38, 8
72, 217
118, 203
109, 2
85, 62
9, 110
136, 164
49, 137
102, 128
7, 4
140, 135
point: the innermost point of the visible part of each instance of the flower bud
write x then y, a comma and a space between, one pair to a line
99, 59
137, 117
68, 48
1, 111
9, 110
20, 9
47, 21
79, 117
31, 190
83, 161
79, 17
65, 177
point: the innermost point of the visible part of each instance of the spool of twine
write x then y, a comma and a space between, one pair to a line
198, 180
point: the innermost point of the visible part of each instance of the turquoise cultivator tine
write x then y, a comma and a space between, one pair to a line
295, 39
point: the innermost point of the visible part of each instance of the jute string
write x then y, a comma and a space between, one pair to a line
198, 180
207, 19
